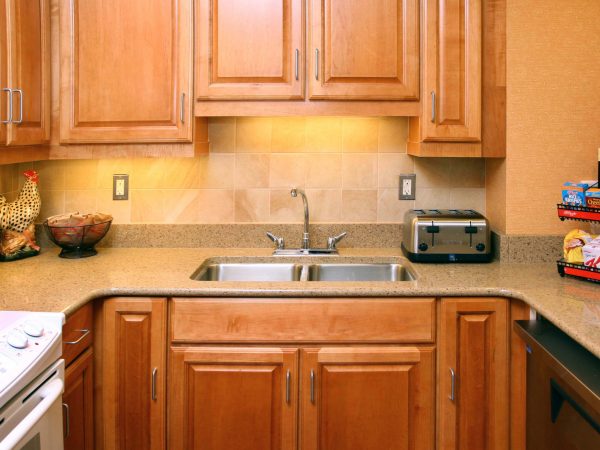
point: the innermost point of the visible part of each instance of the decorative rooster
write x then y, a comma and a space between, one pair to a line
17, 229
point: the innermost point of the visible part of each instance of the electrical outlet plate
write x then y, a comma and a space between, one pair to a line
408, 186
120, 187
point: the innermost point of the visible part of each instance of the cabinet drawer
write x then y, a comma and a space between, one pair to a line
77, 333
302, 320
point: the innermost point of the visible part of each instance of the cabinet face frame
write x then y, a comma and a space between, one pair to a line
403, 84
3, 73
286, 85
185, 362
79, 377
177, 128
451, 96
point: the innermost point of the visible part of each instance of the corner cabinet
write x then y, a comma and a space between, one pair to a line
125, 71
24, 72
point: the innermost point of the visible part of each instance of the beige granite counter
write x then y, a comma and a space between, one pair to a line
49, 283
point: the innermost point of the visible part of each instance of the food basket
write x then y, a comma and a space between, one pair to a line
77, 234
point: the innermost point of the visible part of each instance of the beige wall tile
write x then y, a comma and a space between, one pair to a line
147, 173
359, 171
390, 208
393, 134
119, 209
147, 206
467, 172
109, 167
253, 134
289, 134
360, 135
252, 170
433, 197
359, 205
215, 206
324, 170
325, 205
6, 178
390, 166
287, 170
432, 172
83, 201
468, 198
80, 173
251, 205
221, 134
284, 208
53, 202
180, 173
216, 171
51, 174
323, 134
180, 205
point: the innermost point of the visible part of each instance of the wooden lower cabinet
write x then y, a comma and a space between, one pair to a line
131, 342
473, 390
78, 404
367, 398
233, 398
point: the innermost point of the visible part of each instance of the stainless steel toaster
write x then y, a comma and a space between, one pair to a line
446, 235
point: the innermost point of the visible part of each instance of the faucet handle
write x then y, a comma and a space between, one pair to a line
332, 241
278, 240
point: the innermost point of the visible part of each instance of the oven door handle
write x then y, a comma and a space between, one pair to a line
49, 394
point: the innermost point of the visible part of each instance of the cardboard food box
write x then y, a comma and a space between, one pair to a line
592, 198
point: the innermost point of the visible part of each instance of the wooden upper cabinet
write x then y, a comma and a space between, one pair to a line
25, 72
473, 374
367, 398
131, 336
249, 49
125, 71
363, 50
224, 398
452, 43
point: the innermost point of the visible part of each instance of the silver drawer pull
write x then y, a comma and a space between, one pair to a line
312, 386
288, 387
182, 108
452, 384
432, 106
9, 104
297, 65
20, 92
67, 420
84, 334
316, 63
154, 375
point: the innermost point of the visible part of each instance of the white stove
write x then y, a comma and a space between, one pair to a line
31, 380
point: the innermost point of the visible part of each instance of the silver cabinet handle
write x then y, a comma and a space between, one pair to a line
66, 409
20, 92
297, 65
432, 106
316, 63
154, 375
182, 108
312, 386
452, 383
288, 387
84, 334
10, 105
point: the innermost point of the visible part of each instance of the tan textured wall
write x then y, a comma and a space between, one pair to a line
553, 109
348, 166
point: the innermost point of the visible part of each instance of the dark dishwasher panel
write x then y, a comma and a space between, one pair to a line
563, 390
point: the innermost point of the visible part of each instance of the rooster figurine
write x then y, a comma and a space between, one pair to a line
17, 229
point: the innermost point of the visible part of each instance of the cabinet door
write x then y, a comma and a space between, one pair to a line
223, 398
29, 72
249, 49
452, 70
126, 70
473, 374
3, 74
78, 406
367, 398
132, 336
361, 49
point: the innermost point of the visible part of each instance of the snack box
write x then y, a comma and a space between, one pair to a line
592, 198
573, 193
591, 254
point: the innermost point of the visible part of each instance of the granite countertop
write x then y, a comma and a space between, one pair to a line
50, 283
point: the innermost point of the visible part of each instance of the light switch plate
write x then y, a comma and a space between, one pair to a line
408, 186
120, 187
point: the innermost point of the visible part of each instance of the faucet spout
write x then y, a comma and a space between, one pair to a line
305, 237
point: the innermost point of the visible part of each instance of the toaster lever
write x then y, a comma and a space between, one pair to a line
471, 230
433, 229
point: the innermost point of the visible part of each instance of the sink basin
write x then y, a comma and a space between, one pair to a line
359, 272
248, 272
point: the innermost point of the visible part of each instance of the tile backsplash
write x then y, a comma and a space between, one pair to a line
349, 168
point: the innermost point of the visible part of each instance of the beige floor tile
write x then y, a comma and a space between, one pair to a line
359, 171
287, 170
215, 206
390, 208
323, 134
359, 205
253, 134
284, 208
216, 171
390, 166
393, 134
325, 205
221, 134
288, 135
252, 205
324, 170
359, 135
252, 170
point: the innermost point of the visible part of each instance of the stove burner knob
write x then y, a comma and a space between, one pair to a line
33, 329
17, 340
480, 247
423, 246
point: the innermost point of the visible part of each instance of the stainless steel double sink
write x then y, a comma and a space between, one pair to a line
294, 271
